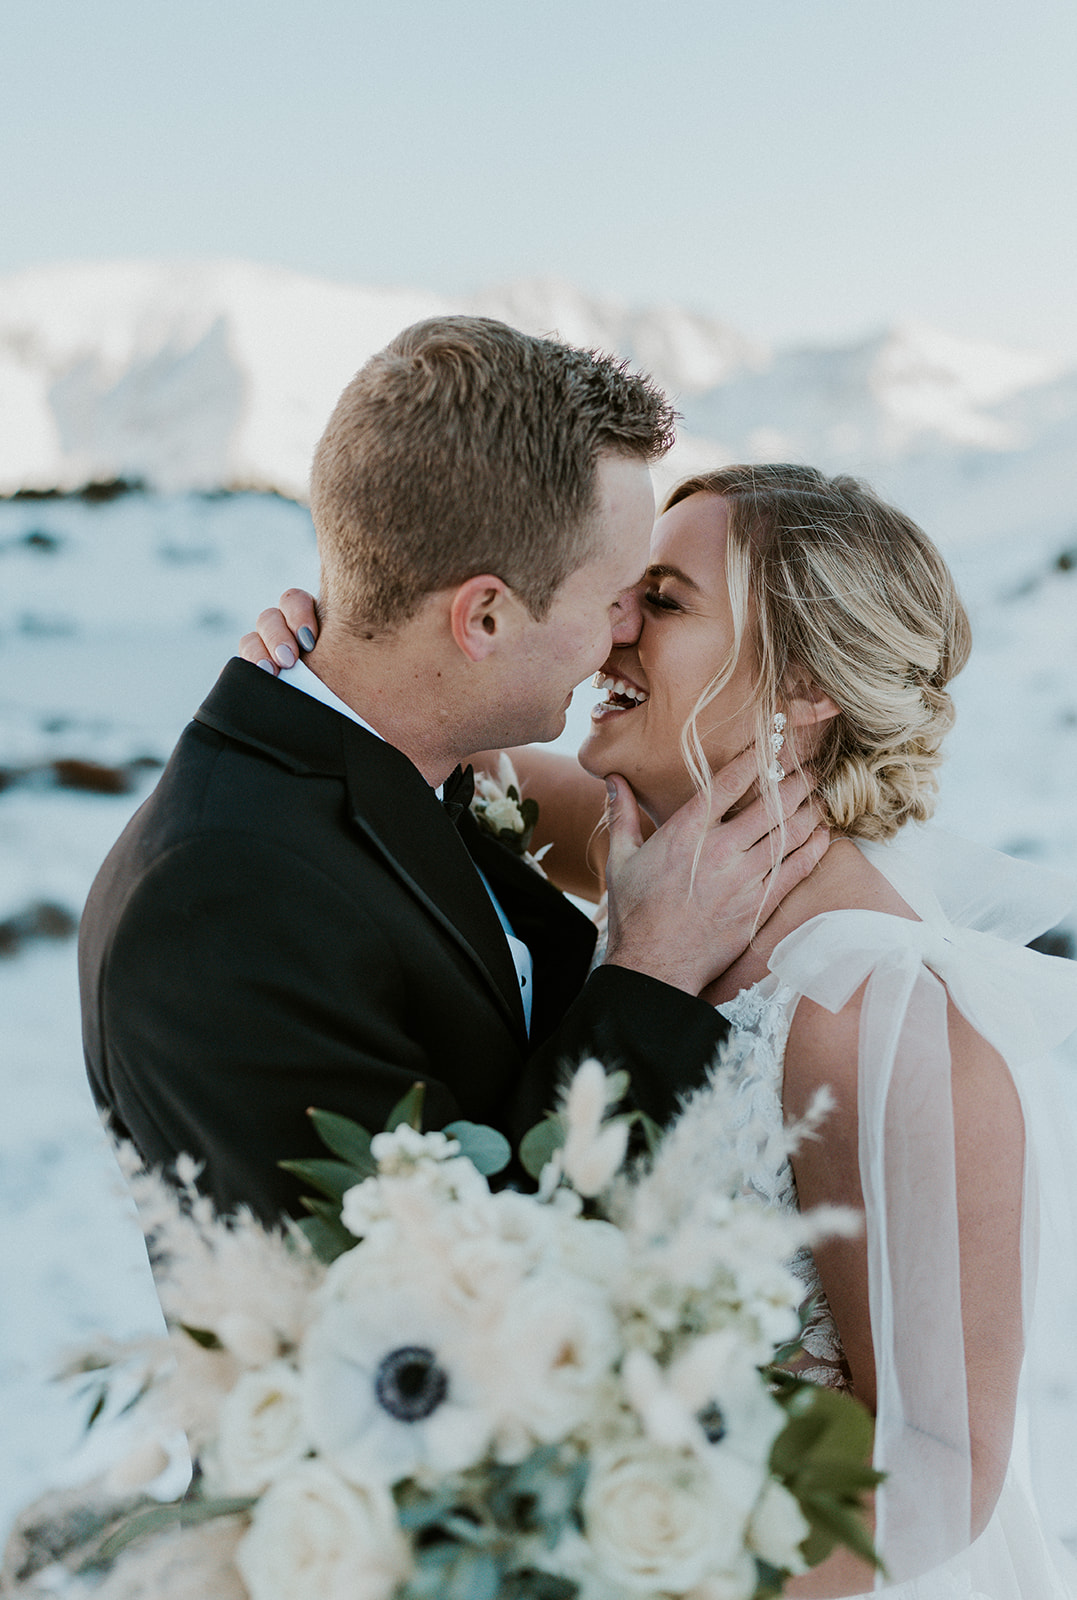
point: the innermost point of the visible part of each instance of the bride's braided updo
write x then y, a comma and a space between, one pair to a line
831, 586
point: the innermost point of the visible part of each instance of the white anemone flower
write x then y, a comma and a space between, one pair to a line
391, 1374
712, 1401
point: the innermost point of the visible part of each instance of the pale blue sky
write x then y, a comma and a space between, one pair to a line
801, 168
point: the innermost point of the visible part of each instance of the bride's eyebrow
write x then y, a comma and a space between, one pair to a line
659, 570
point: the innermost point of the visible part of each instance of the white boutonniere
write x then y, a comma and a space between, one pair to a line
498, 808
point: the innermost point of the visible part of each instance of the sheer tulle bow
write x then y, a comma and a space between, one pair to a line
1022, 1002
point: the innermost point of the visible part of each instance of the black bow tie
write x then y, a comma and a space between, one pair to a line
456, 792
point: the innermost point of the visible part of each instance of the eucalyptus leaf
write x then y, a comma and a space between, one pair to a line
409, 1109
332, 1178
486, 1149
346, 1139
476, 1575
539, 1143
176, 1513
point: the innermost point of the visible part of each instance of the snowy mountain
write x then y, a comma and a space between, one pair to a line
202, 375
115, 616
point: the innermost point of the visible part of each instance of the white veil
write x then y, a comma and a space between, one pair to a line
978, 910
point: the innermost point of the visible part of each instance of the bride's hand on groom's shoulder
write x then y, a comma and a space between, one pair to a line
282, 633
683, 913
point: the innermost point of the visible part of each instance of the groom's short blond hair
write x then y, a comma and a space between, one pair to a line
464, 447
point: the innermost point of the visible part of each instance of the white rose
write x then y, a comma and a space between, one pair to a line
314, 1538
654, 1521
778, 1528
504, 813
261, 1433
401, 1149
557, 1340
739, 1583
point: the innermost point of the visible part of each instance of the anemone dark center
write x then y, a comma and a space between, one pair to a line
409, 1384
712, 1422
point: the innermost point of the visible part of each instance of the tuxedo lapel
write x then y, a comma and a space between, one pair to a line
403, 819
388, 801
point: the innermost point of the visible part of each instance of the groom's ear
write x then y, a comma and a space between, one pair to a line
479, 612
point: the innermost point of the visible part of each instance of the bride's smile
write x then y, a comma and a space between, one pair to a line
687, 639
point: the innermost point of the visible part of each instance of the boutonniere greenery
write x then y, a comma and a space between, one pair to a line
498, 809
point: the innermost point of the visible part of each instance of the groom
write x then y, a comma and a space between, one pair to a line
295, 918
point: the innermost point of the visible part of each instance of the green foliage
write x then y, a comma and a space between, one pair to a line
156, 1518
770, 1581
202, 1336
328, 1238
332, 1178
346, 1139
467, 1533
539, 1143
486, 1149
823, 1456
97, 1406
409, 1109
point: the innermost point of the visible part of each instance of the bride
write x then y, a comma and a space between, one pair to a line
801, 615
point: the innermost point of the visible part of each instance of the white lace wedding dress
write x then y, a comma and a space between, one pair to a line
977, 909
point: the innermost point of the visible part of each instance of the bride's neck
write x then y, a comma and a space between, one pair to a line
833, 883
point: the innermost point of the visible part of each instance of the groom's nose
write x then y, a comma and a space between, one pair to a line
627, 616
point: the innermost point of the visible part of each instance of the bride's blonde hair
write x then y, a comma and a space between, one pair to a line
832, 587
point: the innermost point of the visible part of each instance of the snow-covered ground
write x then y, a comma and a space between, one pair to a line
116, 617
114, 620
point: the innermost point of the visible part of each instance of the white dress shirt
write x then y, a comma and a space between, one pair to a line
301, 677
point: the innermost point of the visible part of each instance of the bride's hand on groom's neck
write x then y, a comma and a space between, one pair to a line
683, 910
282, 633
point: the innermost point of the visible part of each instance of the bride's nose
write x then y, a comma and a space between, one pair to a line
627, 616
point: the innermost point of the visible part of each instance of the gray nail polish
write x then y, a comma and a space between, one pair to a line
285, 655
306, 638
266, 665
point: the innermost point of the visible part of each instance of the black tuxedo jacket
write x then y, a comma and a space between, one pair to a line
292, 920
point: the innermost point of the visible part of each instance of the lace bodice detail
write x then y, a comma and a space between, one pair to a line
760, 1019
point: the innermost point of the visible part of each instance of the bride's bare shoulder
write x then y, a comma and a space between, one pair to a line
821, 1043
845, 880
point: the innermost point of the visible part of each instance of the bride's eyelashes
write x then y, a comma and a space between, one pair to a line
659, 601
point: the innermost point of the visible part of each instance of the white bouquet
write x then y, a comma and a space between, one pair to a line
435, 1389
